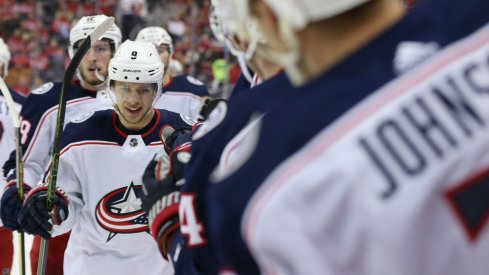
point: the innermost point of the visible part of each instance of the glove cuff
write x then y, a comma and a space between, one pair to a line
165, 234
14, 182
58, 191
163, 219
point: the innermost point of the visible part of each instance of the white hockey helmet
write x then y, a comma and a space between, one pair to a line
226, 25
215, 21
86, 25
292, 16
137, 62
4, 57
300, 13
155, 35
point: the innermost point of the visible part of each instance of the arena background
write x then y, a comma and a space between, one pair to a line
37, 35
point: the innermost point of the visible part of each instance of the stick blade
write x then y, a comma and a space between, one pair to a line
101, 30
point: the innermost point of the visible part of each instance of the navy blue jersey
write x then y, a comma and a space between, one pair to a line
207, 145
432, 25
186, 84
183, 94
241, 85
16, 96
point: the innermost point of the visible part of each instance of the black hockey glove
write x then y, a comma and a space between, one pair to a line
10, 205
35, 218
207, 107
161, 197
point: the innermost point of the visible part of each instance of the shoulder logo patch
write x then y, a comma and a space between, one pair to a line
215, 118
238, 150
194, 81
83, 117
44, 88
188, 120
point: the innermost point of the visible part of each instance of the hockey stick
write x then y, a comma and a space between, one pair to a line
19, 166
53, 172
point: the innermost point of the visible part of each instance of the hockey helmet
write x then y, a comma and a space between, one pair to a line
155, 35
86, 25
137, 62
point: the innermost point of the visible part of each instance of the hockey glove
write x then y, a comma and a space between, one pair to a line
10, 205
161, 196
35, 218
207, 107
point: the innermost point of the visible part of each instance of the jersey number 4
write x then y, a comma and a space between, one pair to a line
189, 223
470, 202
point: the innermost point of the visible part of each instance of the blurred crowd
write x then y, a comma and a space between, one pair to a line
37, 35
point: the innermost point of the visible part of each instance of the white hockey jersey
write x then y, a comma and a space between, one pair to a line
7, 135
397, 185
39, 123
101, 167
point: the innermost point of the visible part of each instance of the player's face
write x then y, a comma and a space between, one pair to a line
164, 51
93, 67
135, 103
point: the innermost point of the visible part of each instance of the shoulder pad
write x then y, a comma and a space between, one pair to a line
43, 88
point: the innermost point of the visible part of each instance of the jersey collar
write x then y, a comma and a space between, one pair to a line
147, 130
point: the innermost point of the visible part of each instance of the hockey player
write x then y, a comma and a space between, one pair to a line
182, 94
223, 123
391, 180
39, 122
101, 165
243, 44
7, 144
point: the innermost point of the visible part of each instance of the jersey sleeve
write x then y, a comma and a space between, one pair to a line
36, 130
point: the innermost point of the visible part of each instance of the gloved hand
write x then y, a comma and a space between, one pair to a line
10, 205
161, 197
208, 106
35, 218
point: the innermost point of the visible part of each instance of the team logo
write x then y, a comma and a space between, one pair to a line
409, 54
43, 89
120, 212
83, 117
194, 81
188, 120
215, 118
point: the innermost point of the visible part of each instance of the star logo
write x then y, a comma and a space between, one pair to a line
120, 212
